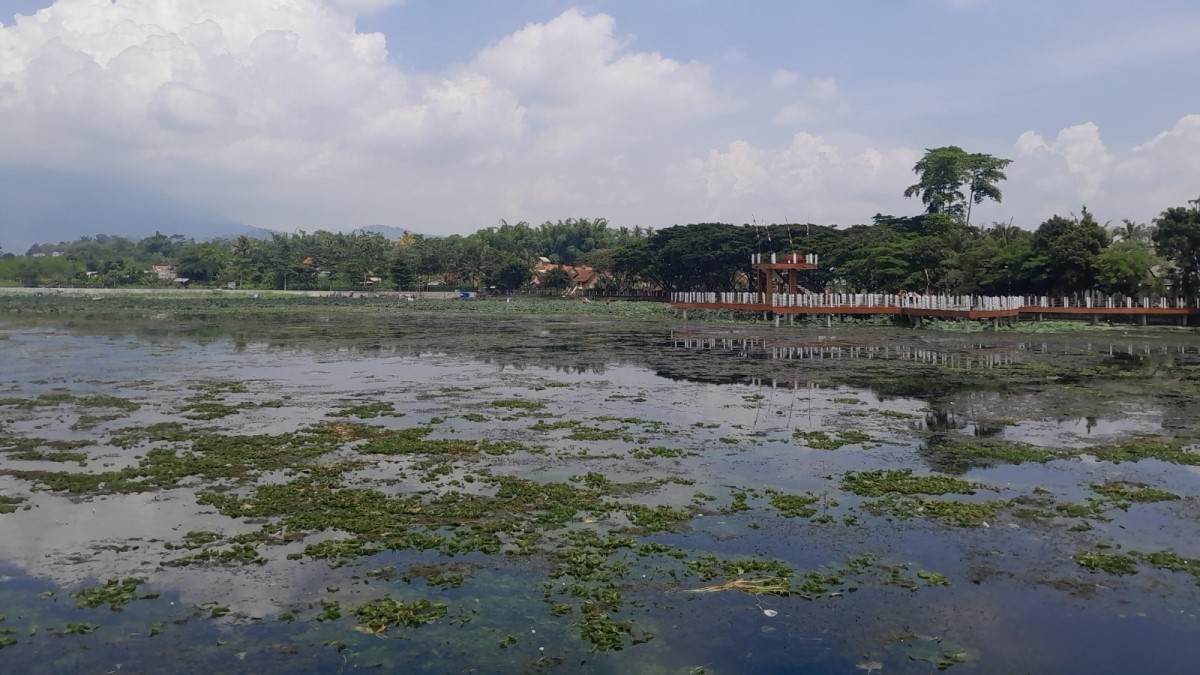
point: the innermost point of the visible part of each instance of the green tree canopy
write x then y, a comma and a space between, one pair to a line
1064, 251
1177, 238
951, 180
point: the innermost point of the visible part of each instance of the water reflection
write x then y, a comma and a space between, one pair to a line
960, 353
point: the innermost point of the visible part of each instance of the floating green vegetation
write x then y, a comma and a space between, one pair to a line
212, 456
474, 417
24, 444
379, 615
556, 425
954, 453
847, 400
215, 388
1113, 563
1125, 493
210, 410
895, 414
903, 482
960, 514
1169, 560
753, 398
660, 451
657, 519
368, 411
155, 433
40, 456
595, 434
820, 440
55, 399
88, 422
439, 576
517, 404
11, 504
194, 540
795, 506
334, 549
1037, 506
937, 652
116, 593
413, 441
238, 554
1137, 449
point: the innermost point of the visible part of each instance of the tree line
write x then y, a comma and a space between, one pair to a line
937, 251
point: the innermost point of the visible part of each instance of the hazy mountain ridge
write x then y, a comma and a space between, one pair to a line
49, 206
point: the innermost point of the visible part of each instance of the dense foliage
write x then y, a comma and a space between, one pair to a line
938, 251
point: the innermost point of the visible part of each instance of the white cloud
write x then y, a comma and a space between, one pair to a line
848, 178
782, 79
821, 98
1077, 149
585, 87
822, 179
1076, 168
367, 6
281, 113
275, 111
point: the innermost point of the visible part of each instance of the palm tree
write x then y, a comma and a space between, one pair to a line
1131, 231
243, 248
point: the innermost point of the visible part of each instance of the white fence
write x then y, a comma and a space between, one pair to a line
933, 302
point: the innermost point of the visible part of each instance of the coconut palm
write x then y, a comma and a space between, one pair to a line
1131, 231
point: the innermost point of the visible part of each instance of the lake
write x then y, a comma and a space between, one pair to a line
510, 492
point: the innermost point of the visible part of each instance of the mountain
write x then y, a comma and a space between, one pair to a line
49, 206
386, 230
259, 233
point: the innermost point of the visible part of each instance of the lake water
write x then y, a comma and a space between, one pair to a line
565, 494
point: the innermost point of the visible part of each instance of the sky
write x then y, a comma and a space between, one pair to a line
445, 116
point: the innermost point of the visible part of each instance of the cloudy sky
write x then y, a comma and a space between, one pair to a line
444, 116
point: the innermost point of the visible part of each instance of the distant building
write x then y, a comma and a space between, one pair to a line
164, 272
582, 277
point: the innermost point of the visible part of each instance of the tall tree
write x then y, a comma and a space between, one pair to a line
952, 180
1064, 253
984, 172
1177, 238
1129, 230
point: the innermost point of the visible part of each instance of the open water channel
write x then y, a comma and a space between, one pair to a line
441, 493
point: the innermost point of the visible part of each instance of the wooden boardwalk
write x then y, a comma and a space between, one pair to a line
780, 292
938, 306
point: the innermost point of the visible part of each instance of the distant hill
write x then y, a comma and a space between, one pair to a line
49, 206
260, 233
386, 230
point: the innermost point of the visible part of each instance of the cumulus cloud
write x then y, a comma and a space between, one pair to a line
1076, 167
847, 178
819, 99
283, 107
815, 178
1077, 149
281, 113
367, 5
782, 79
585, 87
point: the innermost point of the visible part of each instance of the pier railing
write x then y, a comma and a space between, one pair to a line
965, 303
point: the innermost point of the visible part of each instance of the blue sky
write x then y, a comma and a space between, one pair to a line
445, 116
